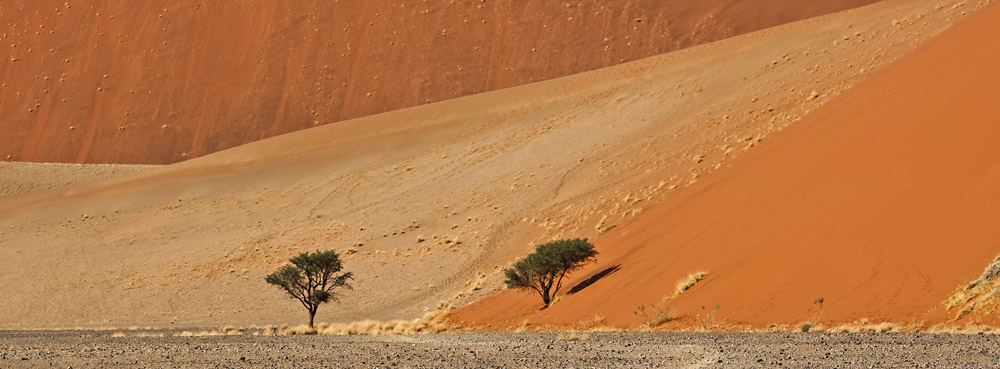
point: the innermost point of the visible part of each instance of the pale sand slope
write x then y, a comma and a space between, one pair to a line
479, 178
883, 202
19, 178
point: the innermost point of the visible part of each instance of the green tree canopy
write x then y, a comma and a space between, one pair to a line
543, 270
311, 279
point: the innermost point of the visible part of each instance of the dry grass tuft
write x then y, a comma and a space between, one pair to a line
604, 328
233, 331
968, 329
299, 330
433, 322
572, 336
138, 334
862, 326
979, 296
524, 326
199, 334
686, 284
656, 315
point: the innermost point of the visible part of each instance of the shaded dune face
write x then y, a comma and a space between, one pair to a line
881, 202
157, 82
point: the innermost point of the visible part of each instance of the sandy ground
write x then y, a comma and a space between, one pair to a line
429, 203
21, 178
86, 349
157, 82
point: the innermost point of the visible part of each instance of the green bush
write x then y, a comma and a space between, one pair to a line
543, 270
311, 279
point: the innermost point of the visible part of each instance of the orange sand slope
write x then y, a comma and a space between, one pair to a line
429, 203
156, 82
882, 202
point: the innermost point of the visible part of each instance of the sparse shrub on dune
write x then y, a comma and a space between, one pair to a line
656, 315
978, 296
819, 312
524, 326
708, 319
544, 270
690, 281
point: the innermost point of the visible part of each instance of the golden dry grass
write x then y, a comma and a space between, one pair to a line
686, 284
572, 336
432, 322
979, 297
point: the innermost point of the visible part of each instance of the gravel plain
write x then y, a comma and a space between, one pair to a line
99, 349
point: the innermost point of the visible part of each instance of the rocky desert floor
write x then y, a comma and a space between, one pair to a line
89, 349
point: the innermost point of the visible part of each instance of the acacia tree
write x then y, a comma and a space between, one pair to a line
311, 278
543, 270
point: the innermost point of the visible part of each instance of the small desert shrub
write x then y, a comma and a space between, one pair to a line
806, 327
656, 315
232, 331
572, 336
524, 326
690, 281
708, 320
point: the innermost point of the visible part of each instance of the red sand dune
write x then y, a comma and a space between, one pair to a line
439, 196
882, 202
158, 82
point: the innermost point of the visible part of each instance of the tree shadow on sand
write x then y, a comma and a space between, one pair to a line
594, 278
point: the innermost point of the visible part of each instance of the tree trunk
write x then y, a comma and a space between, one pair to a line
546, 299
312, 315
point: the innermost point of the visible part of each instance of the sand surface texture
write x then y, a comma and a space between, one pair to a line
155, 82
21, 178
427, 204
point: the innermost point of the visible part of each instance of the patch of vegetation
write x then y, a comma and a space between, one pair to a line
689, 282
978, 296
708, 319
544, 270
311, 279
819, 313
656, 316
